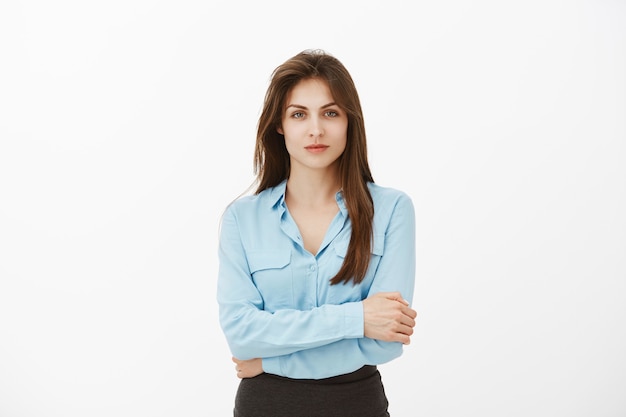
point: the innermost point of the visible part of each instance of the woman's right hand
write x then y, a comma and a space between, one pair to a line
388, 317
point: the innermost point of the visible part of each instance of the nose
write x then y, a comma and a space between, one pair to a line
315, 128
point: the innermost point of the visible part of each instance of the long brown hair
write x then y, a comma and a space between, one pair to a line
271, 159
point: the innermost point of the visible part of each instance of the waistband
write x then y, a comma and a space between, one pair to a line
358, 375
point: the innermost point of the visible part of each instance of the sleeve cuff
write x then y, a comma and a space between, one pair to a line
272, 365
353, 317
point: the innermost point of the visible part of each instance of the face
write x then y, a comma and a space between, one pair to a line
314, 126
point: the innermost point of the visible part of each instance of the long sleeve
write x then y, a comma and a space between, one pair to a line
251, 330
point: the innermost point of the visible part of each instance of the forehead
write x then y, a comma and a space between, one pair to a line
311, 91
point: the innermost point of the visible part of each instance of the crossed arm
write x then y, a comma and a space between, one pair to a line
371, 331
387, 317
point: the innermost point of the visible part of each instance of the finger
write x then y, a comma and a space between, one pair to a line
408, 311
391, 295
407, 330
403, 329
407, 321
402, 338
396, 296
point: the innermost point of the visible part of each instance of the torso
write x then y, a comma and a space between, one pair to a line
313, 224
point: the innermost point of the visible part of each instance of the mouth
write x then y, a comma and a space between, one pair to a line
316, 148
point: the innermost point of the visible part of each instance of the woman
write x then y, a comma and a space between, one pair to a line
317, 267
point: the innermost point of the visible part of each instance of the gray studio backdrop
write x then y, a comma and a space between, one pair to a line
127, 126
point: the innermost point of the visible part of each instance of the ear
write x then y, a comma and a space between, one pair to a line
280, 130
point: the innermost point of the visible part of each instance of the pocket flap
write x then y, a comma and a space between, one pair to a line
259, 260
378, 247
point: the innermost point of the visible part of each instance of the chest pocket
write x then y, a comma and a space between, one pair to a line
272, 274
342, 293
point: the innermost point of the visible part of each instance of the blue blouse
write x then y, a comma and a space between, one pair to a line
275, 299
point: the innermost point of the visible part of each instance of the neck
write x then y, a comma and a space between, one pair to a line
312, 190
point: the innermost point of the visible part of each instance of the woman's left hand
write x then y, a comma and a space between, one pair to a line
248, 368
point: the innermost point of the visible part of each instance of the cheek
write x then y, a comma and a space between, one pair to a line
341, 133
290, 144
343, 147
292, 130
343, 128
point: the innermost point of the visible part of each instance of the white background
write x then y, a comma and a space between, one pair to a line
127, 126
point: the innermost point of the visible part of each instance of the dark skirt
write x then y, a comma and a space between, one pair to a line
359, 394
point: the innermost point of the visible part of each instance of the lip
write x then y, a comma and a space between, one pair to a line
316, 148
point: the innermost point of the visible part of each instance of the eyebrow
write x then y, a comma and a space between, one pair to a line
299, 106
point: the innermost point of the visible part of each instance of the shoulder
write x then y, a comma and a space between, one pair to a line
254, 203
244, 202
385, 196
391, 207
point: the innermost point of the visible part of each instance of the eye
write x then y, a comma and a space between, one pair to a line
331, 113
297, 115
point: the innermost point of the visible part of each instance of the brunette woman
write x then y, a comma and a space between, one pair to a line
317, 267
